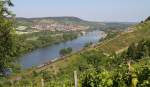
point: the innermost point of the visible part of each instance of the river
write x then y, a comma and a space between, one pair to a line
43, 55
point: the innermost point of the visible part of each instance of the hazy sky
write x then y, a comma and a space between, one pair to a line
94, 10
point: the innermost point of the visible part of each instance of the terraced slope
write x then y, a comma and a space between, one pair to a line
123, 40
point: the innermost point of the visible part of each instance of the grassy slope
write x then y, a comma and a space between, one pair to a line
122, 41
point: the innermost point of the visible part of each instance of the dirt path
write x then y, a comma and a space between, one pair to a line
121, 50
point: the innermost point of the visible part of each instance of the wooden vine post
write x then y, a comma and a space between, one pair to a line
75, 79
42, 82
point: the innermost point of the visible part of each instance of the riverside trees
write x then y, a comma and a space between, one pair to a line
65, 51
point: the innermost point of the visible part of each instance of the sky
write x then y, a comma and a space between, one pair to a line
92, 10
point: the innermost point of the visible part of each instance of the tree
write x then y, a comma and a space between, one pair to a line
144, 77
65, 51
131, 52
6, 35
94, 58
88, 44
148, 19
91, 78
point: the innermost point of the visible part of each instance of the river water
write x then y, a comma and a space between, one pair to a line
43, 55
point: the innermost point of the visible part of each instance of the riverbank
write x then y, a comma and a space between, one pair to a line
42, 55
50, 63
30, 42
53, 62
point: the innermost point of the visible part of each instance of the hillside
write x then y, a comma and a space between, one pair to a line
123, 40
117, 44
68, 51
96, 68
29, 22
60, 20
97, 65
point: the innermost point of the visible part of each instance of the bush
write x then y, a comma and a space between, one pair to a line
65, 51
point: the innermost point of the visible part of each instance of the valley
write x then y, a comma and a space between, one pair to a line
74, 43
106, 59
51, 52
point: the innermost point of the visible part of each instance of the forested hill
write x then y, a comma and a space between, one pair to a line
61, 20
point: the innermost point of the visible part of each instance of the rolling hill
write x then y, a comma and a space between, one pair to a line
73, 21
60, 20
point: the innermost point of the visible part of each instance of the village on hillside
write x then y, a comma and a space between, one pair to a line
50, 27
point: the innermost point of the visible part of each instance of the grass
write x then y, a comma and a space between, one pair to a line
32, 38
